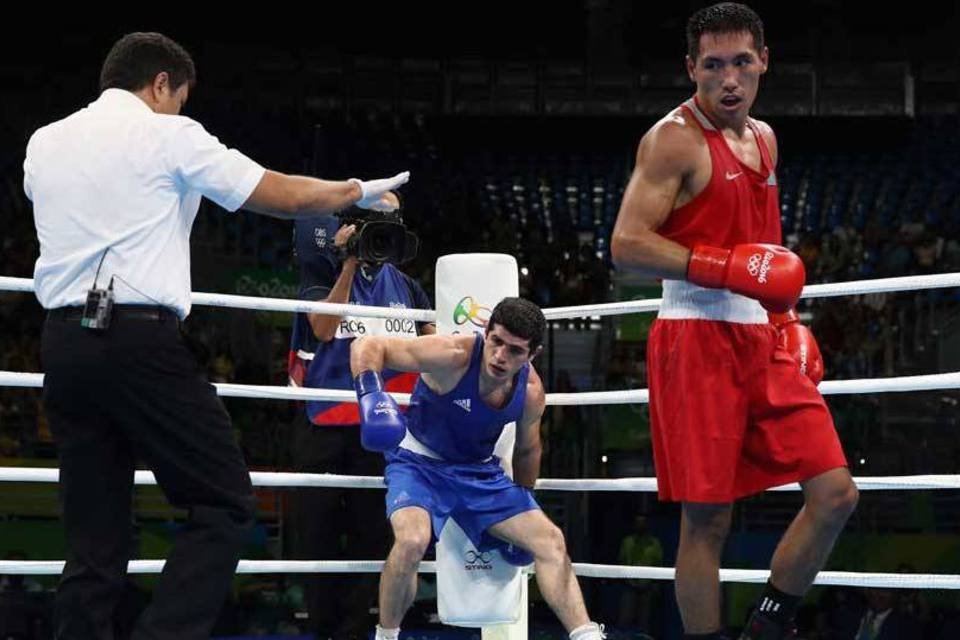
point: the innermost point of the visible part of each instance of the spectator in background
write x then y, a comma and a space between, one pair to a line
884, 620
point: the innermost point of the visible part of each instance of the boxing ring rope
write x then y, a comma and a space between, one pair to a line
25, 285
334, 481
933, 382
855, 287
757, 576
268, 479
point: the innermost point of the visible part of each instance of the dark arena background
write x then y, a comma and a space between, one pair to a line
519, 123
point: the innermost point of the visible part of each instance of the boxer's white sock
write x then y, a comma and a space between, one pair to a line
589, 631
387, 634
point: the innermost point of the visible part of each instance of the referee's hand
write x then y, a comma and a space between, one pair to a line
375, 194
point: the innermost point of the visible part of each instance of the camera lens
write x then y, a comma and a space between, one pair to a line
383, 242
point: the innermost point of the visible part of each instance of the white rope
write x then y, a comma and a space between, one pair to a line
258, 478
333, 481
16, 284
293, 393
17, 379
228, 390
55, 567
882, 285
937, 381
888, 580
632, 396
603, 309
867, 483
273, 304
855, 287
852, 288
886, 385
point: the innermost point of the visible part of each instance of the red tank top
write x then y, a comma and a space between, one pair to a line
738, 205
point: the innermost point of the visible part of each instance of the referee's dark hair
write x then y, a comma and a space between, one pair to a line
136, 59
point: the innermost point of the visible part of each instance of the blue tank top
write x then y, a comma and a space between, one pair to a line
459, 426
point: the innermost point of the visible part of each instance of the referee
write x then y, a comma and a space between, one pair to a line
115, 189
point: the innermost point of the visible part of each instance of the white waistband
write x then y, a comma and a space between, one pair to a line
685, 301
412, 444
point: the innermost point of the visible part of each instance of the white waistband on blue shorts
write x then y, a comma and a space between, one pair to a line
412, 444
686, 301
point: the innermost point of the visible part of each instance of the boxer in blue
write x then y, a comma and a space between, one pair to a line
440, 460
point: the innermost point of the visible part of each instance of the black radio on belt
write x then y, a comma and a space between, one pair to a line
97, 310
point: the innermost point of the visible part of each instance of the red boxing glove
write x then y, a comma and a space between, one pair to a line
768, 273
798, 340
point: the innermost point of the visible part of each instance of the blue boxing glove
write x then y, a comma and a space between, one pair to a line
381, 425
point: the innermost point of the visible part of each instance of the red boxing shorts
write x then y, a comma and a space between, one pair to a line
731, 415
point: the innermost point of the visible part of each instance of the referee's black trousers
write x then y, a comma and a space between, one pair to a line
135, 392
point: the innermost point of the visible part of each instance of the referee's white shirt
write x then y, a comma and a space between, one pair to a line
117, 177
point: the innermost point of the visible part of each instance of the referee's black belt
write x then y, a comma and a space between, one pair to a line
122, 312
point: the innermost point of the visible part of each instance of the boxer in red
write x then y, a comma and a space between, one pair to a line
734, 405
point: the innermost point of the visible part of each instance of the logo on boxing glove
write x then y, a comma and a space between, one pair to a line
384, 408
759, 266
803, 359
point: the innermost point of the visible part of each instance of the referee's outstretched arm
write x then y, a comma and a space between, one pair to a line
287, 197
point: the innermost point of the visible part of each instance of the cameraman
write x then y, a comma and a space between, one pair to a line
350, 259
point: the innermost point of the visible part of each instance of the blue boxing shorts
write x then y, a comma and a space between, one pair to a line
476, 495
